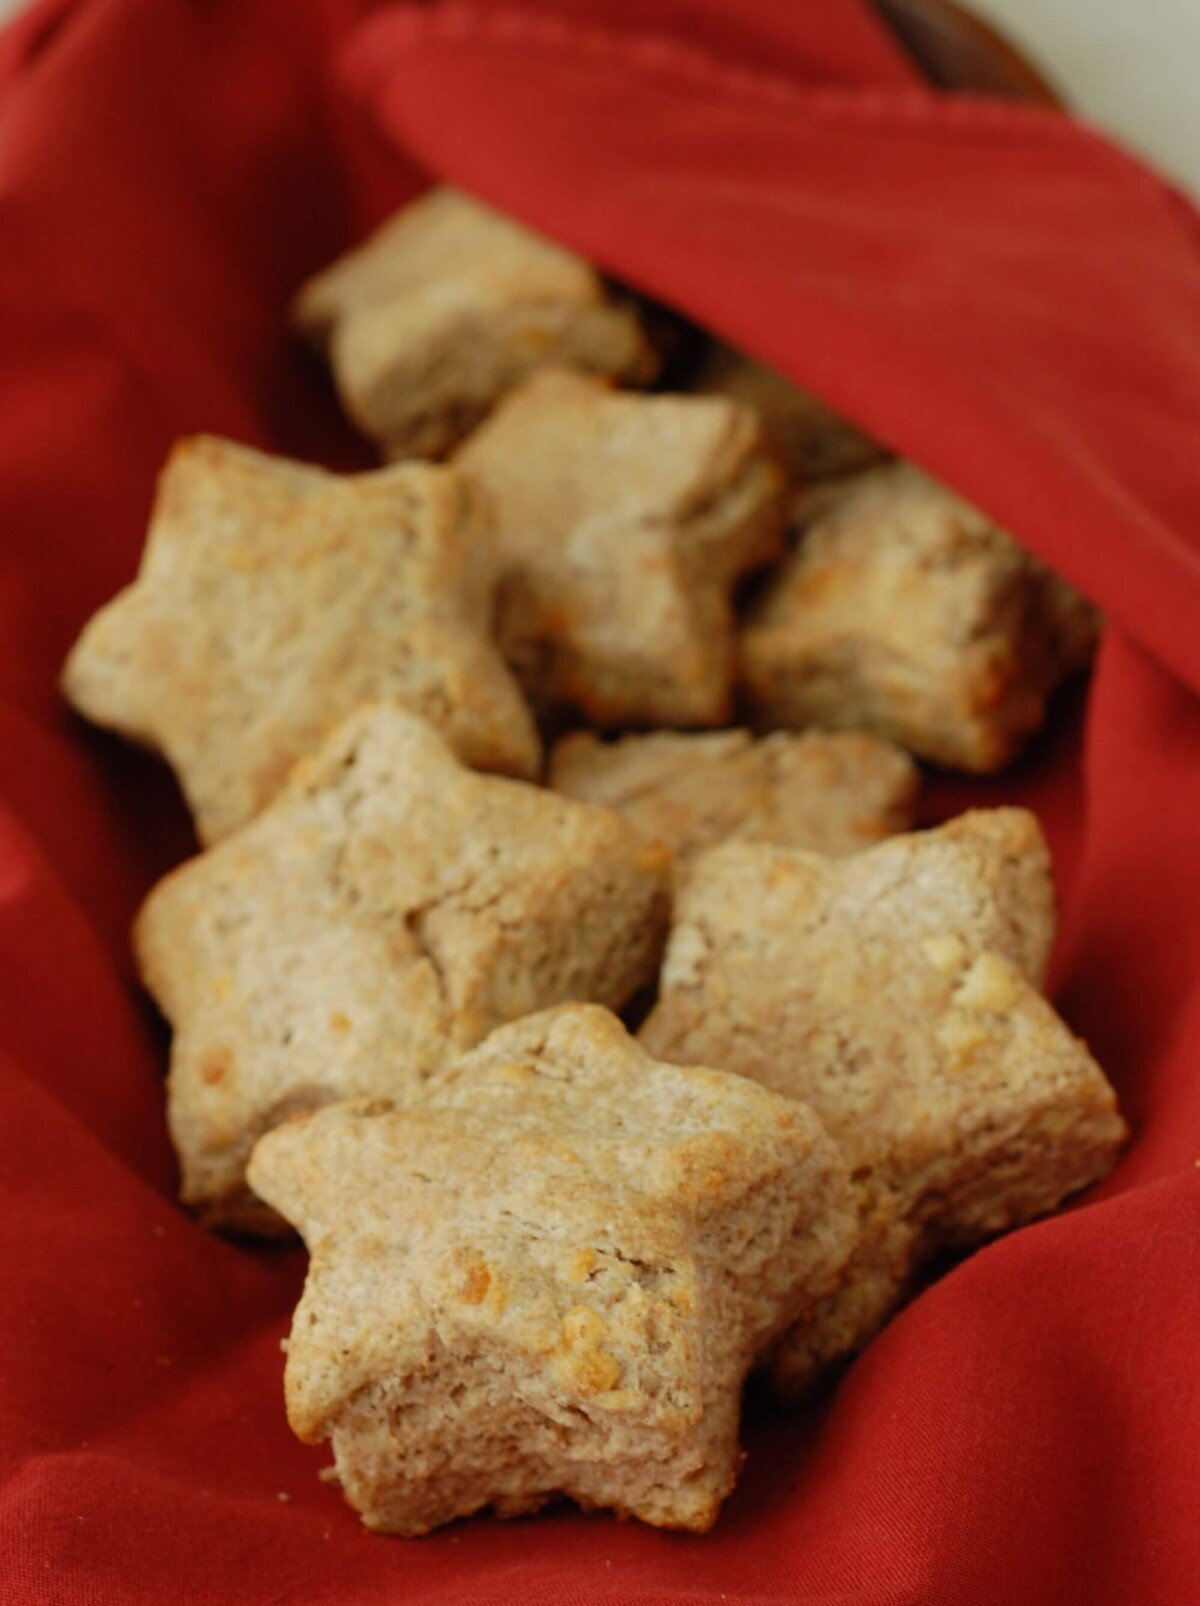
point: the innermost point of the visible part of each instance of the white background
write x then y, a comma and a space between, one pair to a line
1133, 66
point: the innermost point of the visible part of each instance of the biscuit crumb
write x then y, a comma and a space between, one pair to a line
515, 1071
582, 1327
596, 1372
961, 1035
580, 1265
478, 1281
945, 953
497, 1295
990, 986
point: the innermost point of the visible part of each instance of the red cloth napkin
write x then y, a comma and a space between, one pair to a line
995, 292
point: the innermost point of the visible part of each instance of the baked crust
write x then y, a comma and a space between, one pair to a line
906, 612
274, 598
384, 914
624, 523
828, 793
447, 307
812, 442
548, 1275
897, 992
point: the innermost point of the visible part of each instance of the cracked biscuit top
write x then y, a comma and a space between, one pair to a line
906, 612
623, 525
897, 992
830, 793
387, 911
548, 1275
273, 598
451, 304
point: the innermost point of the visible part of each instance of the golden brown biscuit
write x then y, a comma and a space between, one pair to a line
829, 793
812, 442
623, 524
896, 991
384, 913
549, 1276
274, 598
448, 306
906, 612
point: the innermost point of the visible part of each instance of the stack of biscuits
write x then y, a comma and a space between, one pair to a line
547, 1250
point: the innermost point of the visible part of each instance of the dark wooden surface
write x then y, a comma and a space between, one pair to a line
957, 50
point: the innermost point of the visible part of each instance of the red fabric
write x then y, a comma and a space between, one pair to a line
995, 292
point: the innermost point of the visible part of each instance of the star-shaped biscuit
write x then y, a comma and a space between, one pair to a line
385, 912
813, 442
448, 306
273, 598
549, 1276
896, 991
828, 793
624, 522
906, 612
